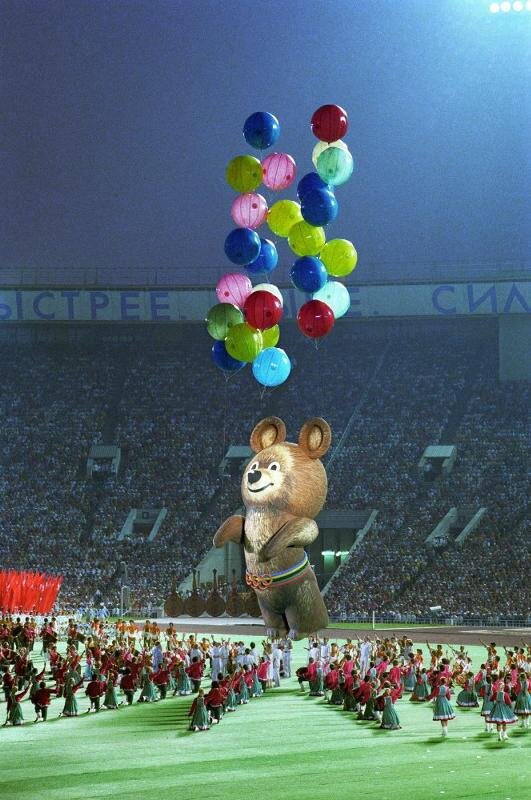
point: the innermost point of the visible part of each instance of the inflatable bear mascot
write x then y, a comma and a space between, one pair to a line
283, 489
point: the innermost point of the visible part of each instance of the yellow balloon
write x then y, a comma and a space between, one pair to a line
320, 146
271, 336
306, 240
339, 257
283, 215
244, 173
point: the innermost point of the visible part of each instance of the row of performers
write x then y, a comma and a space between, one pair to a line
505, 698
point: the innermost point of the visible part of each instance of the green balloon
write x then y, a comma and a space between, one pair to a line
339, 257
221, 318
243, 342
335, 166
305, 239
283, 215
320, 146
244, 173
271, 336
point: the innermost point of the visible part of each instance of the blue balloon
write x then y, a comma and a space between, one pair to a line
223, 360
271, 367
319, 206
310, 181
261, 130
242, 246
308, 274
267, 258
335, 295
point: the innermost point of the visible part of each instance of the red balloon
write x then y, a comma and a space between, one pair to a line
315, 319
329, 123
262, 310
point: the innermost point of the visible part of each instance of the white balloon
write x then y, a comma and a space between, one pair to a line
336, 295
320, 146
271, 288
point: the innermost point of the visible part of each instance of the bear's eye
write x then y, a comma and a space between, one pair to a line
274, 465
254, 466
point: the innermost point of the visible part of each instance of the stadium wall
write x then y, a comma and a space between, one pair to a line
45, 305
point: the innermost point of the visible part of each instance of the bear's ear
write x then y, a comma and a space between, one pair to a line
315, 437
269, 431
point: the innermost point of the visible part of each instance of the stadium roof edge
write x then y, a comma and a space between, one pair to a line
281, 284
366, 274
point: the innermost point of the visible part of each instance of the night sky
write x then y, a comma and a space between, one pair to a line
119, 119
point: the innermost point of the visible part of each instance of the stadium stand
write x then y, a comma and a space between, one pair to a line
400, 388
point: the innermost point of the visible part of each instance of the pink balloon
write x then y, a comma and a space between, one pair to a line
249, 210
234, 288
279, 171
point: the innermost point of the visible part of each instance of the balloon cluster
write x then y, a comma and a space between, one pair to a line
244, 322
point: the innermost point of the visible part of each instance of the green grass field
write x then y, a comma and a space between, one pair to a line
283, 745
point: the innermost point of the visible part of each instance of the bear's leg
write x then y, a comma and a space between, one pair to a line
275, 623
297, 628
306, 614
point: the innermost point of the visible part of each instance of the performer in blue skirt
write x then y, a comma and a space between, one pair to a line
486, 692
200, 719
522, 707
184, 684
442, 710
501, 713
467, 697
421, 689
390, 720
409, 674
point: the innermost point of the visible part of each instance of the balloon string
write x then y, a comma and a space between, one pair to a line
265, 393
223, 477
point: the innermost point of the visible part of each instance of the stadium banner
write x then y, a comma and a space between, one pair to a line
173, 305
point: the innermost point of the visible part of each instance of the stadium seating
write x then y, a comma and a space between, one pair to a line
391, 388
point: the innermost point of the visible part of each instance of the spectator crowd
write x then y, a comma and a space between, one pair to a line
388, 390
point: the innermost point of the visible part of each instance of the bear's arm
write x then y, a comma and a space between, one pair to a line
298, 532
230, 531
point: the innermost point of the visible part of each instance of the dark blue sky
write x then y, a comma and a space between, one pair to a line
120, 117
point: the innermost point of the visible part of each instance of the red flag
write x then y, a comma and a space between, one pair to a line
28, 592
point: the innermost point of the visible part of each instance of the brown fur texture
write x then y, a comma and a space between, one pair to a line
283, 488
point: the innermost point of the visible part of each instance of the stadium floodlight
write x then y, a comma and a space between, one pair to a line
505, 6
125, 599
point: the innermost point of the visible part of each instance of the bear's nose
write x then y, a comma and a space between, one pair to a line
254, 476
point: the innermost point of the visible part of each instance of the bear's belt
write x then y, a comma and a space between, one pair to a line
265, 581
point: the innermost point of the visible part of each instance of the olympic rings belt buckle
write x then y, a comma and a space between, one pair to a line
258, 581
